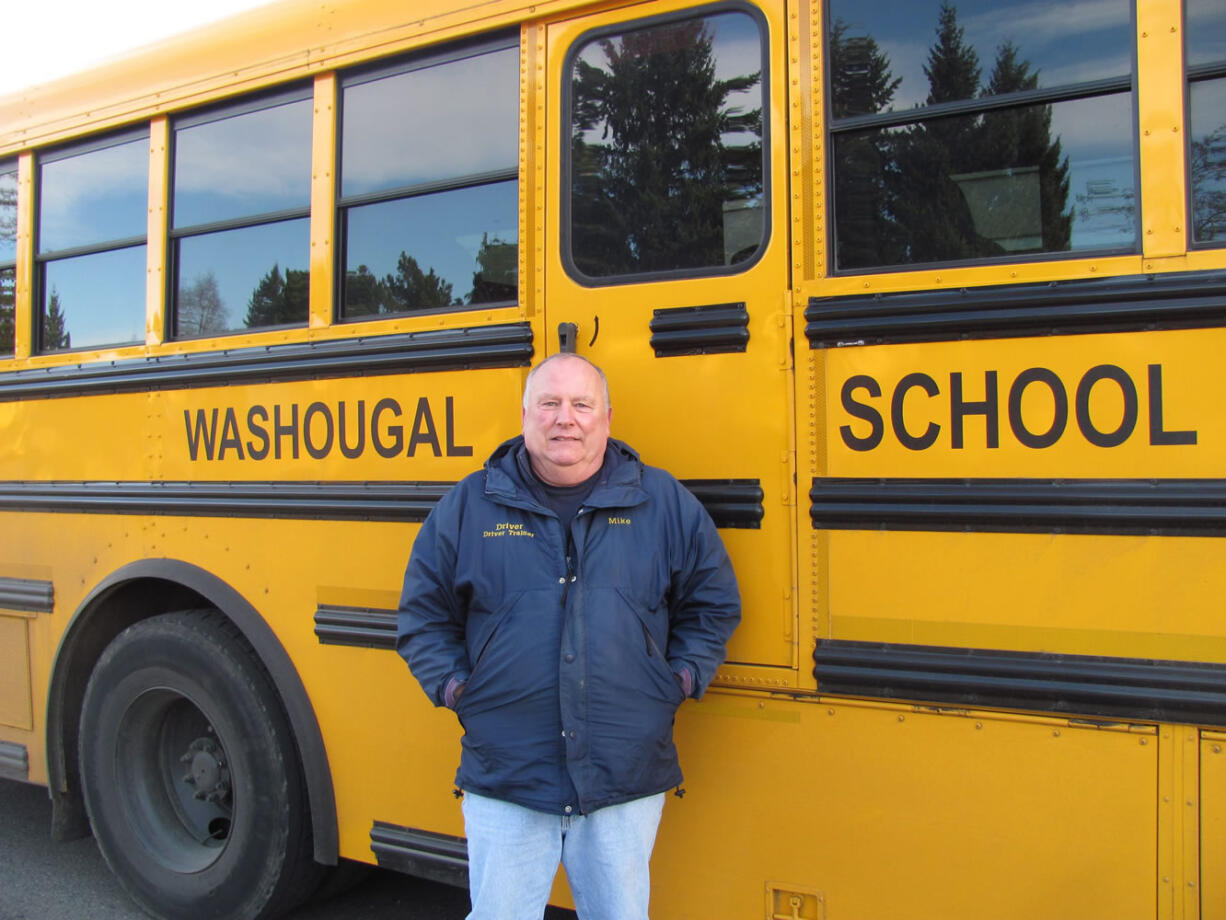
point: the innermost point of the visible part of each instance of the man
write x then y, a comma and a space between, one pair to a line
564, 601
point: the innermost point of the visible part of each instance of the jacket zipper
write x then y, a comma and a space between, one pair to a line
570, 568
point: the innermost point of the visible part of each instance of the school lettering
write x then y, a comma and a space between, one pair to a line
321, 430
987, 405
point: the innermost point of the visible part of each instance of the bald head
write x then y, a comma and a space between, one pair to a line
566, 356
566, 418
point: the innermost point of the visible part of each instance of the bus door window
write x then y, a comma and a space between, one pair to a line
1206, 63
429, 184
975, 131
92, 225
666, 160
241, 226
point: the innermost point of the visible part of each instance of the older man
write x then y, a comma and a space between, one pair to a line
564, 601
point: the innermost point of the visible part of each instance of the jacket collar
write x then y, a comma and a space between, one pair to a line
620, 484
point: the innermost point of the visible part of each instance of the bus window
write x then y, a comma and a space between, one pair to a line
1206, 62
1001, 135
241, 237
92, 220
429, 192
666, 162
8, 255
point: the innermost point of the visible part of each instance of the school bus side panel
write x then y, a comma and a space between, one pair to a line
894, 811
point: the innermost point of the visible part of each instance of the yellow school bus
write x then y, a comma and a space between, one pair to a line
925, 302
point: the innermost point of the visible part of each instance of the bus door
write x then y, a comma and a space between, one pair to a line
666, 262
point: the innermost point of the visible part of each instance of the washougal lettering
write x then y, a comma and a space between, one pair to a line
322, 430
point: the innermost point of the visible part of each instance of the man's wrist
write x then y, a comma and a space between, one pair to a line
685, 679
453, 689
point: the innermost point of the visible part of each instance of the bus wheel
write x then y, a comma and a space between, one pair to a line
190, 773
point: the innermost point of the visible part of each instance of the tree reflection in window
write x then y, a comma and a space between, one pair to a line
411, 288
90, 271
278, 299
54, 335
8, 257
1206, 69
241, 231
666, 168
8, 302
428, 206
1208, 174
978, 169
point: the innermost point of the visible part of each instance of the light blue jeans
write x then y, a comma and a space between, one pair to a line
513, 856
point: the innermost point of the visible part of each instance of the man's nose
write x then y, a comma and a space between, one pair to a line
566, 414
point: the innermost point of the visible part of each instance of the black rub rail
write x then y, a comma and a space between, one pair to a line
380, 501
27, 594
1136, 302
439, 857
508, 345
1113, 688
707, 330
1169, 507
363, 627
14, 760
732, 503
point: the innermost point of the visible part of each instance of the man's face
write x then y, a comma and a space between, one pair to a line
566, 422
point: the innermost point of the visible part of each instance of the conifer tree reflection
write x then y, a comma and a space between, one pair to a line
409, 288
55, 334
364, 294
930, 204
862, 84
958, 186
8, 211
1022, 136
8, 250
8, 302
279, 300
496, 279
658, 151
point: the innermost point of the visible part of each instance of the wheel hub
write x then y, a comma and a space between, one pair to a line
207, 771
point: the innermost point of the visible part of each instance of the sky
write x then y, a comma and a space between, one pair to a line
38, 47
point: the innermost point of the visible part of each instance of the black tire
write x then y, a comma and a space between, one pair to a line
191, 776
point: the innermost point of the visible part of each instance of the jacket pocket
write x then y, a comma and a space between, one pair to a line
652, 623
511, 662
482, 638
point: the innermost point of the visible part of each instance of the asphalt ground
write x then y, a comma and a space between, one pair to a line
44, 880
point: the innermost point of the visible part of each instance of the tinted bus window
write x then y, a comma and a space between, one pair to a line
8, 255
92, 218
975, 132
666, 155
241, 226
1206, 61
429, 191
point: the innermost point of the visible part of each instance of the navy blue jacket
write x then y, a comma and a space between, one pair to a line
568, 663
